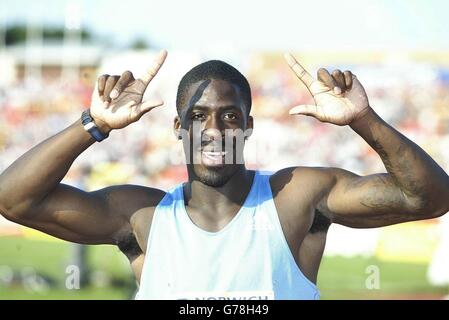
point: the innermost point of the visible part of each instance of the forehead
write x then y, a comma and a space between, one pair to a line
214, 93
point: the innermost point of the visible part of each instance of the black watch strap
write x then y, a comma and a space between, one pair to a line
91, 127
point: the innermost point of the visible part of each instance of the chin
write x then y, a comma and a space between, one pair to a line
215, 176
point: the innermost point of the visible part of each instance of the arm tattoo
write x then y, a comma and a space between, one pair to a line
404, 168
381, 192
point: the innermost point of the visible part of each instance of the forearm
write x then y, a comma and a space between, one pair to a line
36, 173
422, 181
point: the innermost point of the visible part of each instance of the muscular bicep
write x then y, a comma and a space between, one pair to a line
97, 217
365, 201
74, 215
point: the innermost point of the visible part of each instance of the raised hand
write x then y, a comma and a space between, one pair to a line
339, 98
117, 100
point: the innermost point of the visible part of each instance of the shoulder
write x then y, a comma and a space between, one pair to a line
130, 196
137, 205
305, 189
299, 191
130, 202
308, 181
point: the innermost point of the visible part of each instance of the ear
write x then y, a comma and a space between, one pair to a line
249, 127
177, 128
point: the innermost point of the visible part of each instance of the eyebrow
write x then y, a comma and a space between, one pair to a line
226, 107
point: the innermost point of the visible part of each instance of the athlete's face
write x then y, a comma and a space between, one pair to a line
213, 125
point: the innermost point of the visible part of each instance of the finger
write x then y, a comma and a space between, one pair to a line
305, 109
348, 79
325, 77
339, 79
298, 69
102, 83
121, 84
110, 83
153, 70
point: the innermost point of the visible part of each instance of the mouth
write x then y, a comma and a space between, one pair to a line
213, 158
214, 154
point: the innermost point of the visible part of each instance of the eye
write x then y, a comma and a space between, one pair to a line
198, 116
230, 116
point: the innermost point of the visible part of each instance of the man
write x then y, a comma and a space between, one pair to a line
228, 232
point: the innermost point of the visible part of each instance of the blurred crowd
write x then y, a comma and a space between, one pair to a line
414, 98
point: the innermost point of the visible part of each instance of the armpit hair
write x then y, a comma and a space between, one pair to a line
320, 223
129, 246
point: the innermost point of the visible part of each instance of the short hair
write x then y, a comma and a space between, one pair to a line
217, 70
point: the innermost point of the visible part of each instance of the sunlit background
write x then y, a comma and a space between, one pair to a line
52, 51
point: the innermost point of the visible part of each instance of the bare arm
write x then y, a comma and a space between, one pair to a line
413, 188
31, 193
30, 189
38, 172
99, 217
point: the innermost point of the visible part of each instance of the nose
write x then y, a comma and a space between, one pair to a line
213, 128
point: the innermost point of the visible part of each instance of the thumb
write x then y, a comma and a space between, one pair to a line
305, 109
146, 106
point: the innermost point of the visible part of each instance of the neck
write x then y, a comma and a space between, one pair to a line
216, 200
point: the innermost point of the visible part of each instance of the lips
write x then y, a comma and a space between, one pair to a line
214, 154
213, 158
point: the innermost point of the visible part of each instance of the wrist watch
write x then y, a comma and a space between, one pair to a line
91, 127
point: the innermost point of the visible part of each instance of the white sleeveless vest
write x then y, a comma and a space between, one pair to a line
249, 259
